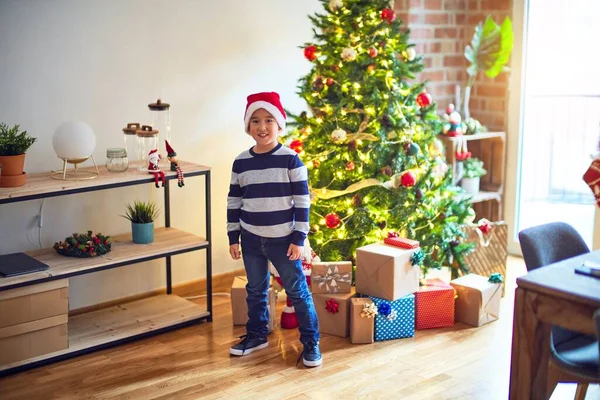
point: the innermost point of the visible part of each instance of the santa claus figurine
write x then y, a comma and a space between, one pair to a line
154, 169
172, 157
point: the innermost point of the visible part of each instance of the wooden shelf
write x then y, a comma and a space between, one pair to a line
489, 147
41, 185
167, 241
476, 136
485, 196
132, 320
129, 320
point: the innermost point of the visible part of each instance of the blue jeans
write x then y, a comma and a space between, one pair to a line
256, 251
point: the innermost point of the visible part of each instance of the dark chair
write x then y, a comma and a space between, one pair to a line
570, 352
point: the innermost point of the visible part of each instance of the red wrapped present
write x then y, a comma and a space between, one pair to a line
434, 305
402, 242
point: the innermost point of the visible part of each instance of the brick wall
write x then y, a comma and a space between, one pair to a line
441, 29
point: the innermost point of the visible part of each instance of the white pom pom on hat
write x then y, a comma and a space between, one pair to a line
268, 101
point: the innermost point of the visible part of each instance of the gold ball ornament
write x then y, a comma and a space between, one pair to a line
436, 147
338, 136
335, 5
349, 54
409, 54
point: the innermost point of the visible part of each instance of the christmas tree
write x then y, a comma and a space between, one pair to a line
376, 167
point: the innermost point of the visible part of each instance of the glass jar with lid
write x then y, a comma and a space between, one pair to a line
116, 159
161, 121
131, 141
147, 141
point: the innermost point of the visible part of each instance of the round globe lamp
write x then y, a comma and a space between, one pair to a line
74, 142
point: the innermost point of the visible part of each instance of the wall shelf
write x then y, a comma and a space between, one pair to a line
489, 147
111, 326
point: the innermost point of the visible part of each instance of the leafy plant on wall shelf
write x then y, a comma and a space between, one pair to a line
14, 143
473, 171
141, 212
473, 168
142, 215
489, 51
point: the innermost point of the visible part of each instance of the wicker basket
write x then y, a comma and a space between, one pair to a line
490, 251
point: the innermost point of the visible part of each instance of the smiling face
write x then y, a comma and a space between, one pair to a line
264, 130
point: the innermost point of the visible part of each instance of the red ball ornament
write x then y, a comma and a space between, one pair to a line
332, 220
350, 166
297, 146
329, 82
424, 99
310, 53
387, 14
408, 179
372, 52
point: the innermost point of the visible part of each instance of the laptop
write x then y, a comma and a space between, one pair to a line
19, 264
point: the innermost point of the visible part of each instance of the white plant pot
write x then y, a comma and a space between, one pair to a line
470, 185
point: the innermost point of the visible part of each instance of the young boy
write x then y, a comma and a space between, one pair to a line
268, 206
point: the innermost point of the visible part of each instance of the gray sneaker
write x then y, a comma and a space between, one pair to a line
249, 343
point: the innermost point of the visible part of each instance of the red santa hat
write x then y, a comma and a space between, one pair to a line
268, 101
170, 151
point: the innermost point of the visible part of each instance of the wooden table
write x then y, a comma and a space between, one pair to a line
552, 295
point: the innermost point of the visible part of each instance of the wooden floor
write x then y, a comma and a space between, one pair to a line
461, 362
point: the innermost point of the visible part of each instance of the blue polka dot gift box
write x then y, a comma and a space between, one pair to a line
394, 319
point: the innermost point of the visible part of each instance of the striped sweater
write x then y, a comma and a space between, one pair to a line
268, 195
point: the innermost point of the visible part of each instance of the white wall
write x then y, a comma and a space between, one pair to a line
102, 62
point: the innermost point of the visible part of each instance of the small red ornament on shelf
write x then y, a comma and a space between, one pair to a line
387, 14
332, 220
297, 146
310, 53
424, 99
408, 179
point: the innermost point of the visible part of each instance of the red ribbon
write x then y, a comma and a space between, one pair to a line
332, 306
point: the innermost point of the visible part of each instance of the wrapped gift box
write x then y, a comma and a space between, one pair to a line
239, 307
385, 271
402, 242
399, 322
362, 322
478, 300
434, 305
331, 277
333, 323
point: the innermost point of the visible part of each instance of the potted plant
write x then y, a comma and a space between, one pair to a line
489, 51
142, 215
13, 145
472, 172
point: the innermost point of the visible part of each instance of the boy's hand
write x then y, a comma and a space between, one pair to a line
234, 250
295, 252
